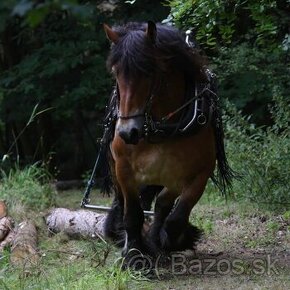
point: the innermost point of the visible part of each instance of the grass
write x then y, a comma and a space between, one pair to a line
231, 231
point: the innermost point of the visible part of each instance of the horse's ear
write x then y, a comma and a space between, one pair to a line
151, 31
111, 34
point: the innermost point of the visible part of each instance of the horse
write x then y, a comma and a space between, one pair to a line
166, 136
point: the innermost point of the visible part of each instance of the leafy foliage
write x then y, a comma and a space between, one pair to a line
53, 53
248, 42
247, 76
219, 23
261, 155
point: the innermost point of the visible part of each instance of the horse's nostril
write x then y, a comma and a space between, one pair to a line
134, 136
130, 137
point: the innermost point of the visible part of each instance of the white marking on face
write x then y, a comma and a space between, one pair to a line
125, 125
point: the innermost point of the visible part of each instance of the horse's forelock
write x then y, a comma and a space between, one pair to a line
136, 56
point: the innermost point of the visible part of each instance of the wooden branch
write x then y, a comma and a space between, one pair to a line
76, 223
6, 225
24, 247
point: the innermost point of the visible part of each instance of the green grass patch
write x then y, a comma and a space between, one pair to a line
90, 264
27, 188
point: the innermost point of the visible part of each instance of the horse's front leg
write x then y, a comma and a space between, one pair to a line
163, 206
177, 233
133, 214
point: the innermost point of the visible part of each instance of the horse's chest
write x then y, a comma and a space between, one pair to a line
158, 166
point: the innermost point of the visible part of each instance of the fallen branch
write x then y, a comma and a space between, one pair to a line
24, 246
76, 223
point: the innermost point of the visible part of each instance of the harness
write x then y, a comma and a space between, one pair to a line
200, 107
196, 112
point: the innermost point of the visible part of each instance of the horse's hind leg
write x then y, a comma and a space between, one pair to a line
177, 233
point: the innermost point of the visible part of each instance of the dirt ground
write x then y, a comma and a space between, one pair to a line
244, 246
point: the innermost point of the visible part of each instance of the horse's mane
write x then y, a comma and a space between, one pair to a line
136, 55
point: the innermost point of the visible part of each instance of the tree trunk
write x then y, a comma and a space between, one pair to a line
76, 223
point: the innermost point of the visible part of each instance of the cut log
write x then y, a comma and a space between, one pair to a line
76, 223
7, 242
24, 247
3, 209
6, 225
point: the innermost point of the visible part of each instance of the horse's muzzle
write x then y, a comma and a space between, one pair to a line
130, 137
130, 130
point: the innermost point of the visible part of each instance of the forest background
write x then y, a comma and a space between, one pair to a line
54, 84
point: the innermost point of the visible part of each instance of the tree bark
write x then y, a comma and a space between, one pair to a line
76, 223
24, 247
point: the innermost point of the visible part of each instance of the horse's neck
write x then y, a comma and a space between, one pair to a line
170, 96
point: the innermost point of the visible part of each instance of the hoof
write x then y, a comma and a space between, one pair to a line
180, 241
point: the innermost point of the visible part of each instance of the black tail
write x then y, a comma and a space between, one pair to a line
225, 174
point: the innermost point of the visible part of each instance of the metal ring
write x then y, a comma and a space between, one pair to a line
201, 119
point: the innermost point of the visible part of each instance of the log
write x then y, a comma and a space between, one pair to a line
76, 223
24, 247
6, 225
3, 209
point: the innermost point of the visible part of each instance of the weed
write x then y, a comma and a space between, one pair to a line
204, 223
26, 188
286, 215
261, 155
272, 226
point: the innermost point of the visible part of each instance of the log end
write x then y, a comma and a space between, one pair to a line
3, 209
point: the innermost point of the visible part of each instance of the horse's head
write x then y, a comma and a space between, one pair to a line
149, 60
133, 64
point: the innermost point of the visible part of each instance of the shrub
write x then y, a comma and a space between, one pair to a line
220, 23
261, 155
247, 76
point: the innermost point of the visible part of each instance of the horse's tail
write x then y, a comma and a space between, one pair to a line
225, 174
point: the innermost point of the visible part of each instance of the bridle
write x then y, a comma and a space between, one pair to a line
134, 116
202, 103
195, 102
148, 105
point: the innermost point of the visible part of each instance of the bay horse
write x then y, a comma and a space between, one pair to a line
166, 135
